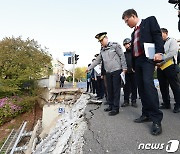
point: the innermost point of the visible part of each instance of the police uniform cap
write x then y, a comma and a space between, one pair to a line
100, 36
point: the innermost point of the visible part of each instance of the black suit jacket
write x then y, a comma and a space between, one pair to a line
150, 32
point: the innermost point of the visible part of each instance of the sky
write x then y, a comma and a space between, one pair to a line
71, 25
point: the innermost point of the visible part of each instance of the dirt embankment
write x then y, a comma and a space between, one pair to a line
31, 117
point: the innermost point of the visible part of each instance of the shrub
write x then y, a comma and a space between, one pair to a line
13, 106
69, 79
8, 109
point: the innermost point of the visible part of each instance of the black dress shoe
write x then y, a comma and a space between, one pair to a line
156, 129
142, 119
108, 109
113, 112
176, 109
165, 107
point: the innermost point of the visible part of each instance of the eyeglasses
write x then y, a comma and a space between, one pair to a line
127, 19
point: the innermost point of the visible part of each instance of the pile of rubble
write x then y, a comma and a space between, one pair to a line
65, 132
62, 126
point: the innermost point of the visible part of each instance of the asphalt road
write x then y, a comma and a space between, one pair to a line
80, 85
120, 135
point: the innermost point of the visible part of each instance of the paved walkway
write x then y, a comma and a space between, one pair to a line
120, 135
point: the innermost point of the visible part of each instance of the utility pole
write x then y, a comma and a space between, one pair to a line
73, 59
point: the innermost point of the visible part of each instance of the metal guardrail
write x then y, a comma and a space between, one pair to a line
6, 146
18, 138
10, 145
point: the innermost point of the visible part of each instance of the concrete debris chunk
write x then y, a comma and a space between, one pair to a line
66, 133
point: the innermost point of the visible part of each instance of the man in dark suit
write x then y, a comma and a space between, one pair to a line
146, 31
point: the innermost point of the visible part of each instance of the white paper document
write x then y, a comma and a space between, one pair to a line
149, 49
97, 69
123, 77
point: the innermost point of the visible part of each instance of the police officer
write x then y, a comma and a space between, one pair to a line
130, 85
114, 62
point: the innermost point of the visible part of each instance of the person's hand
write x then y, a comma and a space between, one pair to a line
158, 57
158, 65
124, 71
86, 71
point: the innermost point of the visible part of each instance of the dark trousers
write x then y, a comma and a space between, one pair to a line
130, 87
113, 88
105, 86
168, 77
149, 96
88, 86
100, 87
61, 84
94, 85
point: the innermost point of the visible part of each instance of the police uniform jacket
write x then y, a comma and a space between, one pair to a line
112, 56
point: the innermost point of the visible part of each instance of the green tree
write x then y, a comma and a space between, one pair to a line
21, 63
69, 79
80, 73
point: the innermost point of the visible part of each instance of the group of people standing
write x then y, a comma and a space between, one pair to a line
95, 81
139, 69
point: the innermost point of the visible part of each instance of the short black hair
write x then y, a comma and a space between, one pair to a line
128, 13
164, 30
